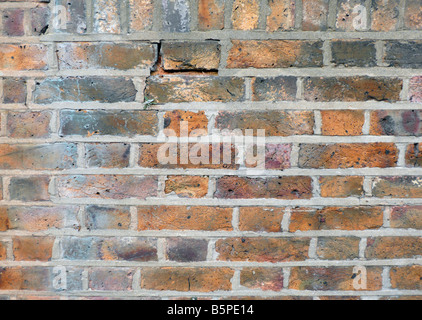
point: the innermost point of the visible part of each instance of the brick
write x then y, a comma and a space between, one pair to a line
186, 250
184, 218
397, 187
393, 122
336, 218
106, 16
38, 157
245, 14
406, 217
415, 89
406, 278
403, 54
385, 15
40, 18
372, 155
84, 89
277, 156
187, 186
281, 16
28, 124
260, 219
141, 15
229, 187
333, 278
413, 15
33, 248
263, 249
118, 56
112, 123
101, 155
184, 55
348, 14
14, 91
187, 279
275, 123
37, 218
341, 187
262, 278
29, 188
414, 155
346, 248
315, 15
16, 57
342, 122
13, 22
76, 20
116, 187
352, 89
352, 53
25, 278
194, 89
274, 89
3, 250
394, 248
211, 15
110, 279
275, 54
107, 218
176, 15
196, 123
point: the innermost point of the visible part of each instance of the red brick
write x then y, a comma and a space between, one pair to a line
28, 124
245, 14
406, 217
342, 123
315, 15
196, 123
141, 15
385, 15
187, 186
127, 249
262, 278
413, 15
260, 219
414, 155
415, 89
282, 16
3, 250
14, 90
25, 278
394, 248
395, 123
211, 15
397, 187
33, 248
341, 187
111, 155
348, 16
406, 278
13, 22
40, 18
111, 279
334, 248
16, 57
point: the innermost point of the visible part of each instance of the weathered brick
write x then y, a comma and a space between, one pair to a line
176, 15
415, 89
229, 187
38, 157
275, 123
260, 219
334, 218
110, 279
184, 55
33, 248
107, 186
348, 13
277, 156
263, 249
75, 19
13, 22
359, 155
14, 90
274, 89
194, 123
38, 218
385, 15
393, 122
413, 15
84, 89
352, 89
28, 124
29, 188
406, 217
187, 279
282, 16
315, 15
141, 15
414, 155
245, 14
397, 187
194, 89
40, 18
341, 187
105, 122
15, 57
334, 248
104, 218
211, 15
333, 278
354, 53
186, 250
3, 251
342, 122
184, 218
403, 54
262, 278
106, 16
120, 56
187, 186
112, 155
275, 54
394, 248
406, 278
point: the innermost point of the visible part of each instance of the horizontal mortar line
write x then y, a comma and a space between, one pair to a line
154, 36
77, 73
325, 72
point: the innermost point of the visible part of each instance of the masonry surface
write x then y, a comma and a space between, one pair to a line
90, 89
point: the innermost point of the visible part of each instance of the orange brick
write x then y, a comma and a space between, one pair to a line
342, 123
187, 186
33, 249
341, 187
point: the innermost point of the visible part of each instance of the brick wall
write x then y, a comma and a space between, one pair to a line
92, 90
